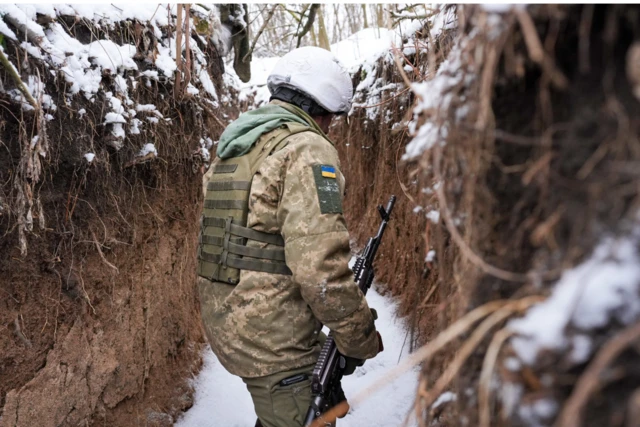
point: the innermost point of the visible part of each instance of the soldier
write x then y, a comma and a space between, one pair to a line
274, 248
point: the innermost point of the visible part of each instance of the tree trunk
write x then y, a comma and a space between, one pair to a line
380, 15
323, 39
364, 15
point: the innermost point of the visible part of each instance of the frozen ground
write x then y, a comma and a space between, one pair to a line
221, 399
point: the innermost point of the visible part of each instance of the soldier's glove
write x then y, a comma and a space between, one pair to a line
349, 364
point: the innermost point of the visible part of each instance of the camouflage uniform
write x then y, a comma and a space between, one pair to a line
269, 323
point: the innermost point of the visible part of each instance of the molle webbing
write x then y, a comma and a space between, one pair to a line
226, 244
274, 239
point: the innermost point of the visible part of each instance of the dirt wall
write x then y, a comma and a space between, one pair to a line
531, 173
100, 317
371, 143
525, 157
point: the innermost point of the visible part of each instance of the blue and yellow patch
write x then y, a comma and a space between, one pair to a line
328, 171
329, 194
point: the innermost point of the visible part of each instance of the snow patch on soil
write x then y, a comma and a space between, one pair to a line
605, 287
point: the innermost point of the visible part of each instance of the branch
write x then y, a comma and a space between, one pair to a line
16, 78
309, 23
401, 16
23, 29
260, 31
293, 13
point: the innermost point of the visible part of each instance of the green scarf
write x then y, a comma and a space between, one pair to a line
238, 138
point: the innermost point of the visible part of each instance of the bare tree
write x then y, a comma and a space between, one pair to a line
309, 24
278, 28
323, 39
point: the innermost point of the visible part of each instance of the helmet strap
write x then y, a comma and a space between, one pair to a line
300, 100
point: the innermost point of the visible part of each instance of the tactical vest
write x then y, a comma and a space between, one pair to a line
222, 247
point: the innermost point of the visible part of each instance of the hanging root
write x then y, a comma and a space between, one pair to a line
457, 238
101, 254
499, 311
488, 366
589, 382
470, 345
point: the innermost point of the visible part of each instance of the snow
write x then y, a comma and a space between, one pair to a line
165, 60
435, 98
147, 149
433, 216
4, 29
111, 56
84, 65
512, 364
510, 394
539, 412
114, 118
146, 107
603, 288
445, 397
364, 46
207, 84
222, 399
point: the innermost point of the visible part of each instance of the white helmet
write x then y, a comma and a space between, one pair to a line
318, 74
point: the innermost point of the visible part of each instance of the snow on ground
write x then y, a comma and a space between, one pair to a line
222, 399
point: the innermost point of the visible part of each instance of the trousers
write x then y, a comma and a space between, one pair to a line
281, 399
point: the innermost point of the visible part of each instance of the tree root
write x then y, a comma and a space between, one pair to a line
589, 382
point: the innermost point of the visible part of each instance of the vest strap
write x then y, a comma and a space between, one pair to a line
229, 185
225, 204
260, 236
271, 254
245, 264
247, 233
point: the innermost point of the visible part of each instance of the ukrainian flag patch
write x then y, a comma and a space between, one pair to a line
328, 171
329, 195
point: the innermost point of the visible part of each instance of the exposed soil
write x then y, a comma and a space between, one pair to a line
534, 181
100, 320
370, 151
537, 171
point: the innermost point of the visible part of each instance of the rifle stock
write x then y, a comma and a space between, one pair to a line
326, 389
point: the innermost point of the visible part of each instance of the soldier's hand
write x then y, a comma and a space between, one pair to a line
349, 364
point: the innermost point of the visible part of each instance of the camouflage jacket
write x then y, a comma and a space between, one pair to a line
270, 323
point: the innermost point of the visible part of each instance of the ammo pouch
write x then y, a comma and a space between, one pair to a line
222, 248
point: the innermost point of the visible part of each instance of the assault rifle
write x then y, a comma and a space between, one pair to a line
326, 389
